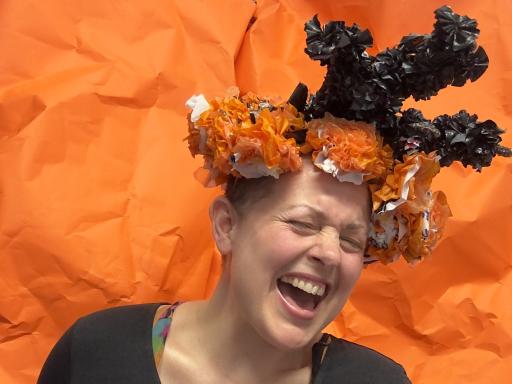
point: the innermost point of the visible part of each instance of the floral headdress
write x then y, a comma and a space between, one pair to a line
355, 129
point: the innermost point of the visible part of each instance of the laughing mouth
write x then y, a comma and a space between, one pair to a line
301, 292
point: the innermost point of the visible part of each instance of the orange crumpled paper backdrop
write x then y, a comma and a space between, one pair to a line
99, 206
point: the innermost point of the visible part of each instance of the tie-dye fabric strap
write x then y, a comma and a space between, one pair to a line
161, 326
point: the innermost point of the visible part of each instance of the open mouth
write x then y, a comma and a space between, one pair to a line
302, 294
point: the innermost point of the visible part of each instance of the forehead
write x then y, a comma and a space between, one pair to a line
339, 202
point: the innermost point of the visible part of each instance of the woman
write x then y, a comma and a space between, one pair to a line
308, 230
314, 189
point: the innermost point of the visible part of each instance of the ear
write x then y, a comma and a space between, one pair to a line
223, 218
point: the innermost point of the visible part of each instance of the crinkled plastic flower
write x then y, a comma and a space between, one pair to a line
344, 147
409, 180
244, 137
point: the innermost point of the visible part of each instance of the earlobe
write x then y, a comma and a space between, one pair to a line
223, 219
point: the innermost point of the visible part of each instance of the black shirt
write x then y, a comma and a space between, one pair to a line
114, 346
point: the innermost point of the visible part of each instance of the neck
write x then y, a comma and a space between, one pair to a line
237, 346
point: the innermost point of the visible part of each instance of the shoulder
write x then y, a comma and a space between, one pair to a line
114, 331
361, 353
112, 345
360, 364
116, 319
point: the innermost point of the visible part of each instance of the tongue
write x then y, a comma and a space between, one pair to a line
296, 296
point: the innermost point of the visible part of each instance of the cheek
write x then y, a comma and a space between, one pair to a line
282, 246
266, 252
350, 270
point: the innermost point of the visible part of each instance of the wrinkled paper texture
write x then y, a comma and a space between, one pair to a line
98, 202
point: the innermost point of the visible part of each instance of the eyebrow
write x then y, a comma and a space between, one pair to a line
350, 226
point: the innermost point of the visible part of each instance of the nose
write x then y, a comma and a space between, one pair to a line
327, 248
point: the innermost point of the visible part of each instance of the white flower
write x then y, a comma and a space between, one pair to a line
255, 168
327, 165
198, 104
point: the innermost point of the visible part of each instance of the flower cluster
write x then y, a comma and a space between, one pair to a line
408, 218
244, 137
252, 137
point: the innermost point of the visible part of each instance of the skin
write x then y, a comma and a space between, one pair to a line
310, 224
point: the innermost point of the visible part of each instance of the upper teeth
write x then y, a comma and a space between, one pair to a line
306, 285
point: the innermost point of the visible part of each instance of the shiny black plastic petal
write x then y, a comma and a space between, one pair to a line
467, 140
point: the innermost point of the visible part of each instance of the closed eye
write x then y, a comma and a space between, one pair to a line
351, 245
307, 228
302, 225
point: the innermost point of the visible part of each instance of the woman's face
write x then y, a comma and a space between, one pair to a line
296, 255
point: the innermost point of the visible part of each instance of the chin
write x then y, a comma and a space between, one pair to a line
288, 337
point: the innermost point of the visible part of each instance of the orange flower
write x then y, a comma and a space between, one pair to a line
409, 180
245, 136
352, 146
428, 228
411, 229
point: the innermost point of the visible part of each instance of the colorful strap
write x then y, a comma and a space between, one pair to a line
161, 326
